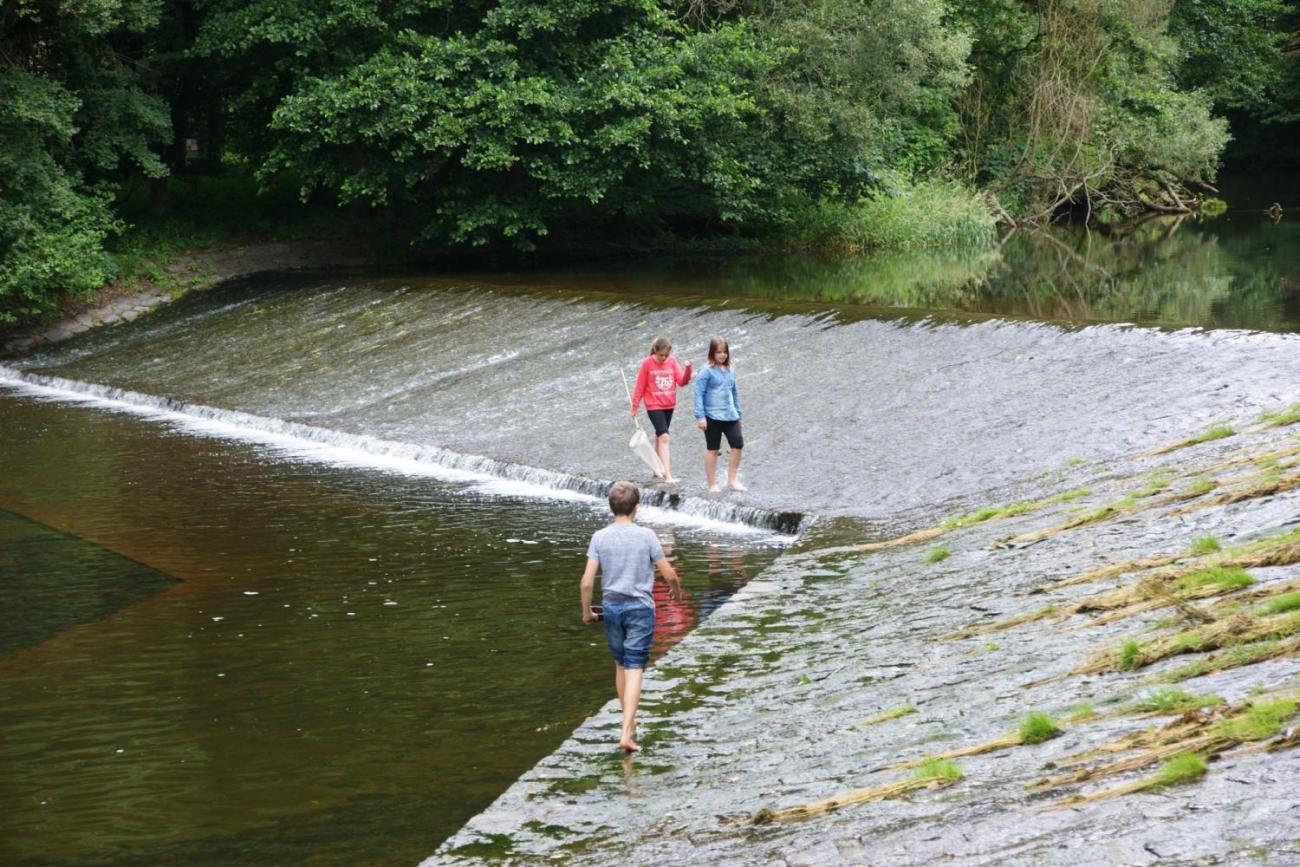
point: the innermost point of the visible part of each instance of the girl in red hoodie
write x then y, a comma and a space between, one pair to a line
657, 382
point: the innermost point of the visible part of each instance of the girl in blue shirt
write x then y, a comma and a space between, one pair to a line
717, 413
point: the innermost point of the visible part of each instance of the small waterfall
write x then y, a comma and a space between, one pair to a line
456, 465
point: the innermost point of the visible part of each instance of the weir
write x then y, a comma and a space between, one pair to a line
866, 418
398, 589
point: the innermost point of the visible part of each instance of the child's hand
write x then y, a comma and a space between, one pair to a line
588, 616
702, 424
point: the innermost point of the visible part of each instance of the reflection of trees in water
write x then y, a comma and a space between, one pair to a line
1243, 274
1164, 273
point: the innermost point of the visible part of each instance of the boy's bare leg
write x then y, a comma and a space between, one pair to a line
618, 684
733, 466
711, 470
631, 697
661, 446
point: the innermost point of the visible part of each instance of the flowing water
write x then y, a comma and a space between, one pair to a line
291, 563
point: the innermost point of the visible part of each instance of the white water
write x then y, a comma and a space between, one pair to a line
294, 441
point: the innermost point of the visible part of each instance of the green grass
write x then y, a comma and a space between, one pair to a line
1232, 657
922, 214
1074, 462
1037, 727
938, 554
1287, 602
1205, 545
1200, 486
1261, 721
1281, 418
1159, 481
938, 769
1218, 432
1174, 700
988, 513
1228, 578
1179, 769
1081, 712
1130, 654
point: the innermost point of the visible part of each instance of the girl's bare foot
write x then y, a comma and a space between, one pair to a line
629, 745
671, 480
713, 489
735, 485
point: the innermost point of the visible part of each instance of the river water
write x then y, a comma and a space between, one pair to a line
294, 559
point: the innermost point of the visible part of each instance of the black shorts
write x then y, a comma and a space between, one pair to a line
660, 418
715, 429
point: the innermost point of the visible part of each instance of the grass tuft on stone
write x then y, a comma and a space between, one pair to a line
1178, 769
938, 554
1282, 604
1174, 700
1037, 727
1206, 545
941, 770
1260, 721
1224, 577
1281, 418
1130, 654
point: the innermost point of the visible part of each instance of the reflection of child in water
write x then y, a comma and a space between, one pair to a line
657, 383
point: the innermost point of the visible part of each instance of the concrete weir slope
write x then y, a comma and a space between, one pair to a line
790, 727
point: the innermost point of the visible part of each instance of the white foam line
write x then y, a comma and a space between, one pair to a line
303, 442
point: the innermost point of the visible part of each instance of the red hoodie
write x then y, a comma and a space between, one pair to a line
657, 383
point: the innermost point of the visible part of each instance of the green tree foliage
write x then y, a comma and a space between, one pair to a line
73, 118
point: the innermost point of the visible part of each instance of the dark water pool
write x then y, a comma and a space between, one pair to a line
214, 655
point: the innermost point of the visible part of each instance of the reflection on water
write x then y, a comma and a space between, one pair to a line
345, 666
1237, 271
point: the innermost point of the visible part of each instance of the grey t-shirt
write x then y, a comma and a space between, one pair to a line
627, 554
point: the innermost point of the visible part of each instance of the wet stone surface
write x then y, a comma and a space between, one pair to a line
763, 707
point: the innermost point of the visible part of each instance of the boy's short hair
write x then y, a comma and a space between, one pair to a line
623, 498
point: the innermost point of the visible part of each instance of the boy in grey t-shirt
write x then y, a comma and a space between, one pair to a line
626, 556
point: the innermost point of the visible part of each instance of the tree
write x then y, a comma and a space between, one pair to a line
73, 120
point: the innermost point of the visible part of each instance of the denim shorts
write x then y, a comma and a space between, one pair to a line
629, 629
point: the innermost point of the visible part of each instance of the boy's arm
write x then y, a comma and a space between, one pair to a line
588, 582
670, 575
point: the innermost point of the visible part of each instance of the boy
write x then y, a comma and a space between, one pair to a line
626, 556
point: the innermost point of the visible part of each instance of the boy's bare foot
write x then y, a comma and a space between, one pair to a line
713, 489
670, 480
736, 485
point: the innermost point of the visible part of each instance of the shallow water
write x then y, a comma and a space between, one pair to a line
308, 544
237, 654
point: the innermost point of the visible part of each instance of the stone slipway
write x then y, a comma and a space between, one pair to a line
763, 707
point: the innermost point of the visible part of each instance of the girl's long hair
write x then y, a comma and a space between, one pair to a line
660, 344
717, 345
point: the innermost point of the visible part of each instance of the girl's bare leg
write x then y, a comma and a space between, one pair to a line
733, 466
661, 447
618, 683
711, 470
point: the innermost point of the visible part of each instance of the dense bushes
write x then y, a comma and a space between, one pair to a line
521, 123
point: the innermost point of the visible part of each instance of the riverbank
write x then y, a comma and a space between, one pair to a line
1046, 658
173, 277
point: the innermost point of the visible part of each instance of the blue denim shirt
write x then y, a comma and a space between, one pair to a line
716, 396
